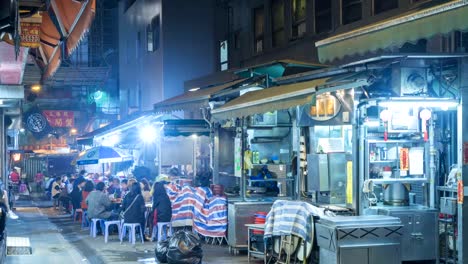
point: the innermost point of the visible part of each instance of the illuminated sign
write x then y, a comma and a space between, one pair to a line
59, 118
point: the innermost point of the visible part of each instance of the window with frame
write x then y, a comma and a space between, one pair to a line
277, 22
259, 28
128, 4
155, 32
323, 16
298, 18
381, 6
223, 55
351, 11
149, 38
127, 51
137, 45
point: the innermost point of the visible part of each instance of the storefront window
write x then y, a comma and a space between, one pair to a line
299, 18
277, 22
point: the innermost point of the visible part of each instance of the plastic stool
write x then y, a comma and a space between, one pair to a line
168, 231
84, 220
132, 232
106, 228
93, 226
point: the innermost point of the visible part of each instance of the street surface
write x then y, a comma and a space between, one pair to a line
55, 238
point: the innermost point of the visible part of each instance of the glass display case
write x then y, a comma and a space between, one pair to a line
396, 160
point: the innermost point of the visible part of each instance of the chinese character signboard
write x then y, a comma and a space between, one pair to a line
59, 118
36, 123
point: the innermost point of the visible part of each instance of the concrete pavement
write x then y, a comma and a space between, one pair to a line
55, 238
48, 244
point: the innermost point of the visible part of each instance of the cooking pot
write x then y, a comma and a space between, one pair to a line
396, 194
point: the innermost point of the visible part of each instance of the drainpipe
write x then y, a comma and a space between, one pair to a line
3, 168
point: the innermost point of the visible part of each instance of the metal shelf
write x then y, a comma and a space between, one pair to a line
275, 179
400, 180
395, 141
448, 220
447, 189
383, 161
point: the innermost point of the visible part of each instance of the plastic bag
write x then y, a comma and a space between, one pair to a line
161, 251
184, 248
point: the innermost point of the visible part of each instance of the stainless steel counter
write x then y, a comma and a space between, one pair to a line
240, 214
359, 239
420, 240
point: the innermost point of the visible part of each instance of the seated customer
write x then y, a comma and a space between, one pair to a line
99, 204
133, 206
88, 188
114, 189
145, 190
59, 193
161, 203
75, 194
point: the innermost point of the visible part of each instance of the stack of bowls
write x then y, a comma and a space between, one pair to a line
260, 218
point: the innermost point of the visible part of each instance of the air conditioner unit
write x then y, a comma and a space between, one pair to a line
410, 81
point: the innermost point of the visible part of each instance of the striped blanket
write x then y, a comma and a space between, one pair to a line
291, 218
198, 208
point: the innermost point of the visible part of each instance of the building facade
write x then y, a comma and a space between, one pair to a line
259, 31
162, 45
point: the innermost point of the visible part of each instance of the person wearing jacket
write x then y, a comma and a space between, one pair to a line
161, 203
99, 204
133, 206
75, 194
87, 189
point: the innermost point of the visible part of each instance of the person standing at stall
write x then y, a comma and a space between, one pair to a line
39, 180
14, 176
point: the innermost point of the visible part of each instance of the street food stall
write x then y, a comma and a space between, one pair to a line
184, 150
379, 147
269, 147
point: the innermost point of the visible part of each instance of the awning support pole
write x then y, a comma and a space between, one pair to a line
462, 121
215, 155
3, 158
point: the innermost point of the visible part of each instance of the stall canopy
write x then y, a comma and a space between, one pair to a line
62, 28
284, 96
279, 68
396, 31
192, 100
119, 125
186, 127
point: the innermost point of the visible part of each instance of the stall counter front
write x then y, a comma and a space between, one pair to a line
240, 214
359, 239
